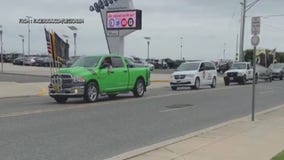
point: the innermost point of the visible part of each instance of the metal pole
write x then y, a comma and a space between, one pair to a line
181, 38
108, 46
23, 44
1, 41
253, 85
148, 49
29, 39
237, 45
224, 52
75, 43
242, 32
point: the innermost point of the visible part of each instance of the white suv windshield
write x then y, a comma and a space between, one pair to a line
188, 67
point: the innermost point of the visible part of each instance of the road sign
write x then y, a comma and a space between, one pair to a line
255, 25
255, 40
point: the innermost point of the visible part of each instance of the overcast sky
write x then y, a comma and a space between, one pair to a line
205, 25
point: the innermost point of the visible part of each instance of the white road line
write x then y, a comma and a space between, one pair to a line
176, 109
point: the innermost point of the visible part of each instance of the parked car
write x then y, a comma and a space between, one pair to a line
140, 62
194, 74
29, 61
264, 73
19, 60
90, 77
277, 70
44, 61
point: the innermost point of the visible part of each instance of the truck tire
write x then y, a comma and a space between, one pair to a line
214, 82
91, 92
226, 82
196, 83
60, 99
139, 88
243, 80
174, 88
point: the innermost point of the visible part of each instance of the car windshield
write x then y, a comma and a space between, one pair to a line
188, 67
276, 66
87, 61
239, 66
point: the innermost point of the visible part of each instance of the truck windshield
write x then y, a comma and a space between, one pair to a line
87, 61
188, 67
239, 66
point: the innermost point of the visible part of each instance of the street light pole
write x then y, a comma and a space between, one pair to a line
1, 43
148, 46
181, 38
29, 38
23, 43
74, 29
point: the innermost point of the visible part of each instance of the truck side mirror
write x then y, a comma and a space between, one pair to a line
130, 66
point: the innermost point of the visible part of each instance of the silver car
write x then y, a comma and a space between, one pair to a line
277, 70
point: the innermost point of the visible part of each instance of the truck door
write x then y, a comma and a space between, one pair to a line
120, 74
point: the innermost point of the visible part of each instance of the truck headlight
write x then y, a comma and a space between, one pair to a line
78, 79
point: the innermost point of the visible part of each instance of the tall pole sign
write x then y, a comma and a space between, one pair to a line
255, 31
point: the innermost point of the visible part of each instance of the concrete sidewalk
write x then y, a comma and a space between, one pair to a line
235, 140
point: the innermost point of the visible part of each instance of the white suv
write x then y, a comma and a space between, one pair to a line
194, 74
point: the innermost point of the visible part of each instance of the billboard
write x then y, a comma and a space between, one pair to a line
124, 19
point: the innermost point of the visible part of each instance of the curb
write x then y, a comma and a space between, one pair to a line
147, 149
160, 81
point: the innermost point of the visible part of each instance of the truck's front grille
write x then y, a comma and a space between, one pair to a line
232, 74
62, 80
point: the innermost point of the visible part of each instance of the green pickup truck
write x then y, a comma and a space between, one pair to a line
91, 76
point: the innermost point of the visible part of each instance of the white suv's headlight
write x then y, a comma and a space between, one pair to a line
78, 79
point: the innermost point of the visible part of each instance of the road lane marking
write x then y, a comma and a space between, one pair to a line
176, 109
81, 106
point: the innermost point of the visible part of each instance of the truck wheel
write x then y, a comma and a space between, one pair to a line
226, 82
60, 99
139, 88
213, 84
174, 88
91, 92
244, 80
196, 83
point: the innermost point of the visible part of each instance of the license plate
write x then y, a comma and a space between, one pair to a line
231, 78
178, 81
56, 87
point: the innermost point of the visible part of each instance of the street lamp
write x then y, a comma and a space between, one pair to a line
1, 43
148, 46
181, 38
23, 43
74, 29
29, 38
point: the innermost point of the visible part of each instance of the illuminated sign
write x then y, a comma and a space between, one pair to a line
124, 19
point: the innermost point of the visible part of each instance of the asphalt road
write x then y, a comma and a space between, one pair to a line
37, 128
21, 78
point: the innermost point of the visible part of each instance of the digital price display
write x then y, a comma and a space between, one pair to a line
125, 19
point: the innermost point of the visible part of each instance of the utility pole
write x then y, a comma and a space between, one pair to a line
148, 46
237, 45
224, 52
245, 8
1, 43
242, 31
